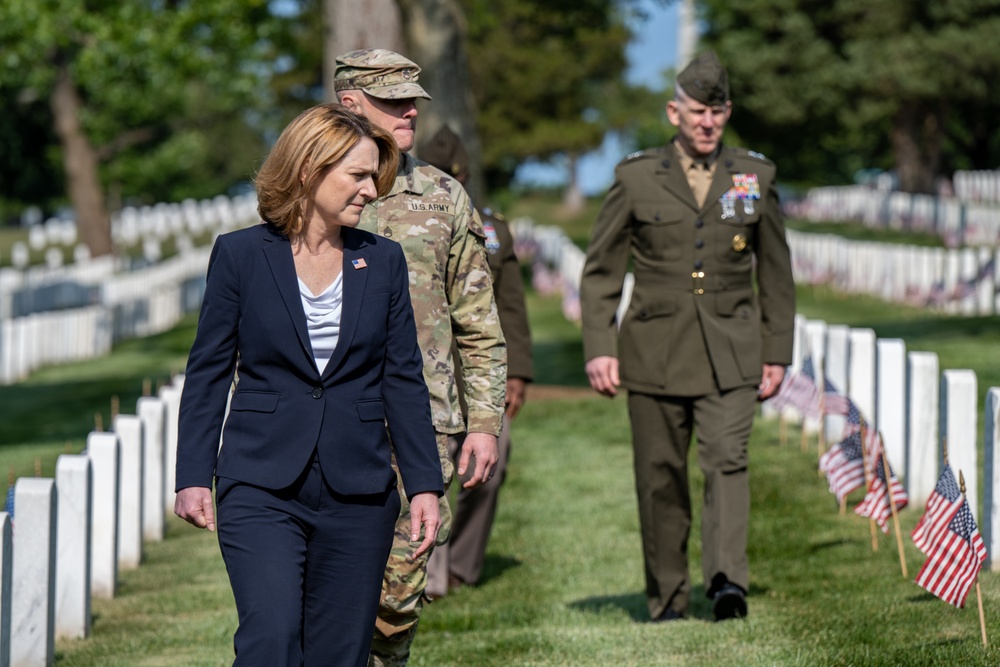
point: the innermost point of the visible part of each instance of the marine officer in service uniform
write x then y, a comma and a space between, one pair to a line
698, 346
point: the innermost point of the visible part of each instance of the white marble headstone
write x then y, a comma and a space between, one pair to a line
862, 373
152, 412
890, 401
6, 580
171, 396
959, 420
838, 355
816, 345
32, 636
74, 479
922, 405
128, 428
991, 478
104, 453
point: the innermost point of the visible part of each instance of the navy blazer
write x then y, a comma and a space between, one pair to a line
283, 408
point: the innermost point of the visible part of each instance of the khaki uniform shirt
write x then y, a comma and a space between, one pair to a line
431, 216
699, 173
714, 297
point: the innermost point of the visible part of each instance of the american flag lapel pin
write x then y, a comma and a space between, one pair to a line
359, 263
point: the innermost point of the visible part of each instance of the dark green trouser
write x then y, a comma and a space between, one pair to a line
661, 434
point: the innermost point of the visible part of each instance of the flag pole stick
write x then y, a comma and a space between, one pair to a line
895, 513
982, 618
804, 438
782, 428
979, 591
843, 506
868, 480
820, 439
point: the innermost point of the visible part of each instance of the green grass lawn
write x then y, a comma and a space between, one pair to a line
563, 583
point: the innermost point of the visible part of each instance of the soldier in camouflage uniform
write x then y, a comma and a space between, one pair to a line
430, 214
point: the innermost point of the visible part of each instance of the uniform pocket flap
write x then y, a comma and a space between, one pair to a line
658, 308
254, 401
369, 411
735, 304
656, 214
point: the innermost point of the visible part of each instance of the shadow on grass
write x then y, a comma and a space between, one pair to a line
830, 544
495, 566
634, 604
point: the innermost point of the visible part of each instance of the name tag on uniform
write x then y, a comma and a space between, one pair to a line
428, 208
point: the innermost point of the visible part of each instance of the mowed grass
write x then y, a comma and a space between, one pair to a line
563, 583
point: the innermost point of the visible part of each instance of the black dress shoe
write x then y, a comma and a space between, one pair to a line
729, 602
668, 615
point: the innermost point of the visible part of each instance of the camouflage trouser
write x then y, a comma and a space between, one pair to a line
405, 579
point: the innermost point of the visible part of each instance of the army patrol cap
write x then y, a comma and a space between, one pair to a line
446, 152
380, 73
705, 80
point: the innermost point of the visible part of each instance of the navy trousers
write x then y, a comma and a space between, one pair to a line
305, 564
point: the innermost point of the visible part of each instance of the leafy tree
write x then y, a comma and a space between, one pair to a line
832, 87
539, 68
158, 93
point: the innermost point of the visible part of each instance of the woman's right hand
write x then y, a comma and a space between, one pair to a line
194, 505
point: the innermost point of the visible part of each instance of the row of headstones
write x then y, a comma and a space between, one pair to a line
55, 337
71, 536
955, 222
954, 280
977, 185
149, 225
951, 279
134, 304
918, 408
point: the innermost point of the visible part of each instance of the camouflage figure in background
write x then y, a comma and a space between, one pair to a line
460, 561
431, 216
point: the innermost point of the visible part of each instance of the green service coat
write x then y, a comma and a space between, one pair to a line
695, 322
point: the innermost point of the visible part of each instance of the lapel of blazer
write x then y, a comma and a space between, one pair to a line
722, 181
278, 253
355, 278
672, 177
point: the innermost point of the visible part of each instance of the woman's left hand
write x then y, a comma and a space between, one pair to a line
424, 512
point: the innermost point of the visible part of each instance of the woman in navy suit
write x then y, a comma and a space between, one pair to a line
316, 316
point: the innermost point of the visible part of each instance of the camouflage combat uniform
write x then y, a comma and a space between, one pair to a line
431, 216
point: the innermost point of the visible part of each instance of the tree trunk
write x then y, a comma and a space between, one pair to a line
81, 166
573, 200
357, 24
916, 146
435, 35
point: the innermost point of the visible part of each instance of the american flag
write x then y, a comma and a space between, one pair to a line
876, 502
955, 559
854, 419
834, 403
938, 514
844, 466
799, 391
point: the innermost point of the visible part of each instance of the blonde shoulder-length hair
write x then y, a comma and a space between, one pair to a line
317, 139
